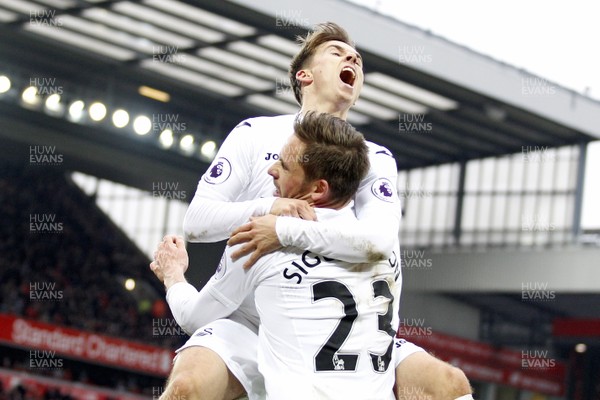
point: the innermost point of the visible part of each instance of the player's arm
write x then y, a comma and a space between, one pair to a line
372, 238
193, 309
377, 209
221, 296
213, 213
169, 265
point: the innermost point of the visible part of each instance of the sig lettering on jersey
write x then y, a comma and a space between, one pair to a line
301, 267
219, 171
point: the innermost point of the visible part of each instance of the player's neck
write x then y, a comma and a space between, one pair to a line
334, 205
339, 110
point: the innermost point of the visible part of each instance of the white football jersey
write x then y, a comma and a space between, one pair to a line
327, 326
237, 186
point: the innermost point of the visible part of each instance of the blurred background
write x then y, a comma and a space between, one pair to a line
110, 111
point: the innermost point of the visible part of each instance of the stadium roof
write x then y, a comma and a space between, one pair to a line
428, 100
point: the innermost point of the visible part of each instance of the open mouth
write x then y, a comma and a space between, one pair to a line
348, 76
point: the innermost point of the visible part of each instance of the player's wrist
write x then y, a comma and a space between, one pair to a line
172, 279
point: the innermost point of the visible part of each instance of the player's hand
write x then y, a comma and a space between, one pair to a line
154, 267
259, 238
170, 261
293, 208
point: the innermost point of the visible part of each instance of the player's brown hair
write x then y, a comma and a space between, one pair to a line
334, 151
321, 33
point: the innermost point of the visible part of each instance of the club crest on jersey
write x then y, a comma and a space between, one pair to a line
382, 189
219, 171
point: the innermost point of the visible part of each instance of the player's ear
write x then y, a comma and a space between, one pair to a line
320, 191
304, 76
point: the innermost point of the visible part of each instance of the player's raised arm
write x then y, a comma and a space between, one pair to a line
222, 295
191, 308
214, 212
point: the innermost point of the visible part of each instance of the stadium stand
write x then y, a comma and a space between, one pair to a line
66, 274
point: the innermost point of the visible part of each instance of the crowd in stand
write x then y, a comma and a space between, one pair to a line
61, 257
121, 382
21, 392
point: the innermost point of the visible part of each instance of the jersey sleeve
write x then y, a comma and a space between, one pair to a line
377, 208
221, 296
213, 212
193, 309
